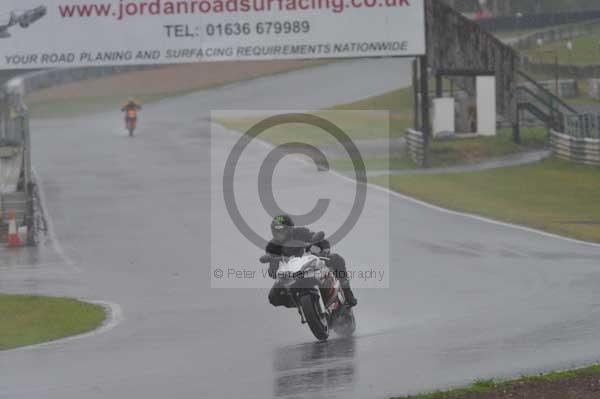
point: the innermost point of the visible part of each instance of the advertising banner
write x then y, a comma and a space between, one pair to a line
68, 33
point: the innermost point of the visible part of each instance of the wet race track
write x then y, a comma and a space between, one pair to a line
134, 222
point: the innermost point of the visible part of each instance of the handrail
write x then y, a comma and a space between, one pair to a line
536, 96
542, 88
535, 110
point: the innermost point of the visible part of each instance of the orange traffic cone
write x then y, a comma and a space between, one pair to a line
13, 234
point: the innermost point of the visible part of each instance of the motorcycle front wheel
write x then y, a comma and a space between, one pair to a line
318, 324
130, 125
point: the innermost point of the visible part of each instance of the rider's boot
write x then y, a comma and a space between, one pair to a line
350, 298
338, 264
348, 294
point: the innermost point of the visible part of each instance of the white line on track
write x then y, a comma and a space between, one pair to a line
475, 217
50, 224
431, 206
114, 312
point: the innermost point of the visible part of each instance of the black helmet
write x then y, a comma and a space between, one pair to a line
282, 227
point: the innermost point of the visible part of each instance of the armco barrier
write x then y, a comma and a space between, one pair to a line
580, 150
416, 146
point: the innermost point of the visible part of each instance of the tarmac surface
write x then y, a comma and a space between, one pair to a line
141, 223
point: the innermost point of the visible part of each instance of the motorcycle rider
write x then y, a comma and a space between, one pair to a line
131, 109
284, 231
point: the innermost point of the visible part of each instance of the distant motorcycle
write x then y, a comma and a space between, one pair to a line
130, 125
131, 109
312, 288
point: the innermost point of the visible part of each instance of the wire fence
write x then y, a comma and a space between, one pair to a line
583, 126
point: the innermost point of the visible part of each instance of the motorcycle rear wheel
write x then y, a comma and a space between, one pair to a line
345, 325
318, 324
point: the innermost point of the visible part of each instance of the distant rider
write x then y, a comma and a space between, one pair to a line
283, 230
131, 109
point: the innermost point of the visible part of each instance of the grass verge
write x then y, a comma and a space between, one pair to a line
579, 383
553, 195
459, 151
477, 149
28, 320
359, 125
141, 85
362, 125
586, 51
71, 108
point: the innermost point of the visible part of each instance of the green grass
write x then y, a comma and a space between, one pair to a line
28, 320
575, 5
477, 149
482, 387
358, 125
364, 125
394, 101
586, 51
509, 34
399, 103
458, 152
70, 108
584, 97
544, 6
553, 195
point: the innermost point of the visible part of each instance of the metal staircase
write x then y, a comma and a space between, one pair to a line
537, 101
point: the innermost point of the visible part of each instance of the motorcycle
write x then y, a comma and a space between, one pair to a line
130, 125
307, 284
